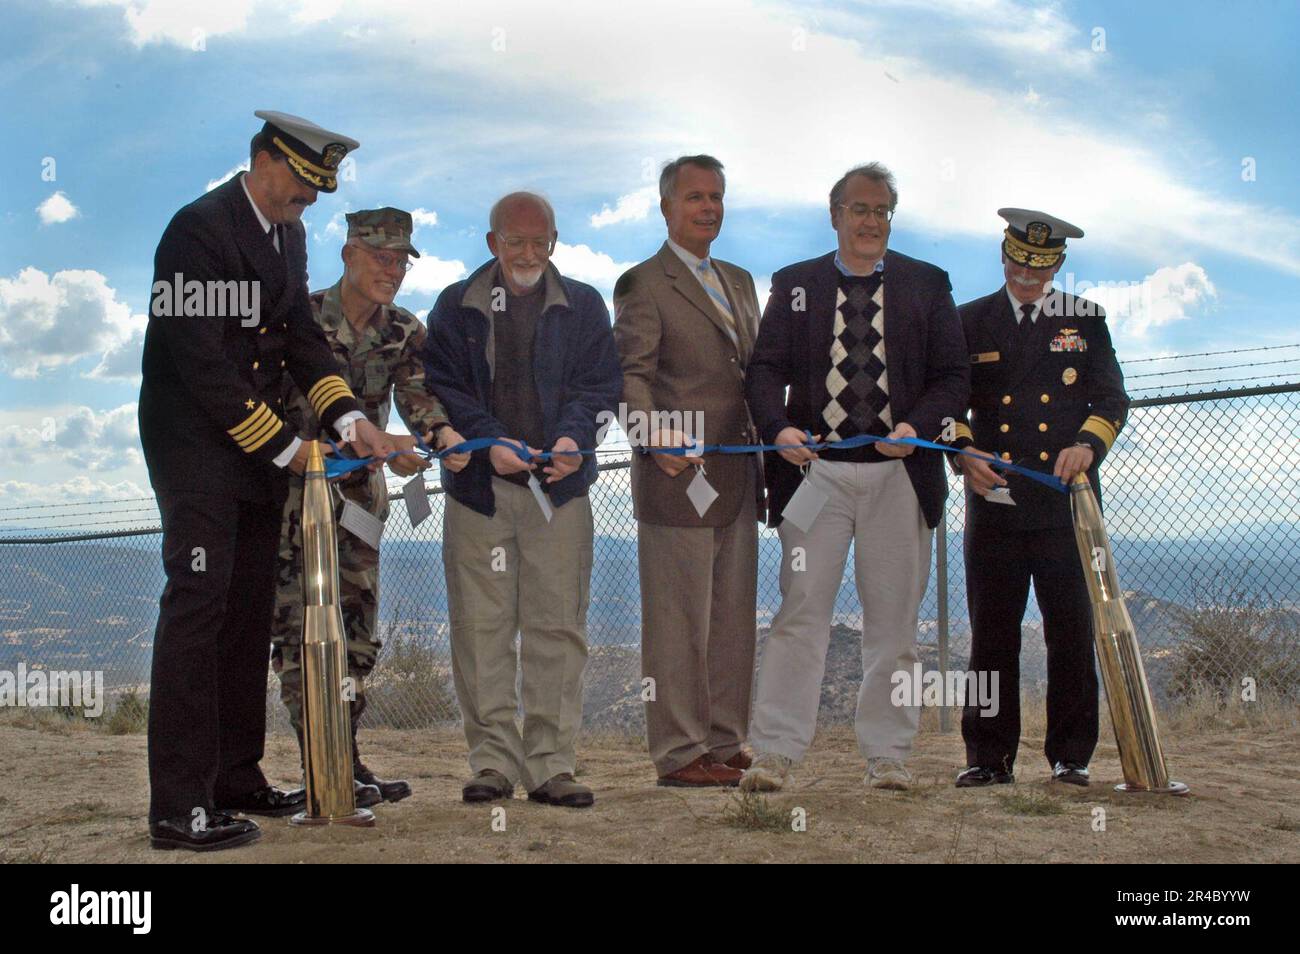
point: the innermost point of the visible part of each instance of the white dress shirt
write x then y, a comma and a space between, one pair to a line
1016, 306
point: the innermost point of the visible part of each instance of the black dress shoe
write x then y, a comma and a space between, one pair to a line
979, 775
1075, 773
222, 831
269, 801
390, 791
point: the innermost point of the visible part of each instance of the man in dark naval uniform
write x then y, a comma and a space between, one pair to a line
229, 315
1048, 394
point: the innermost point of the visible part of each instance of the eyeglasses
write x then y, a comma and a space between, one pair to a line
388, 260
516, 243
860, 210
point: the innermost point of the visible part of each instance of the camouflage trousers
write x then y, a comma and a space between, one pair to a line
358, 595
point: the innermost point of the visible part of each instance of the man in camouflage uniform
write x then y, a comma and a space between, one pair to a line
377, 346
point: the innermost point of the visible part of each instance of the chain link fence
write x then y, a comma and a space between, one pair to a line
1202, 495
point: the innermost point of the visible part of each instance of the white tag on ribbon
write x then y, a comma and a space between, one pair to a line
805, 505
362, 523
540, 496
1000, 495
417, 501
701, 493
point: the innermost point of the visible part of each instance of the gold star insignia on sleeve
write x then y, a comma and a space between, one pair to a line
250, 404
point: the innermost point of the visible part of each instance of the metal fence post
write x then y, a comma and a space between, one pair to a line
941, 592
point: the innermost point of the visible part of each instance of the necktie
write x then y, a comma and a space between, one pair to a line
1025, 312
279, 238
712, 285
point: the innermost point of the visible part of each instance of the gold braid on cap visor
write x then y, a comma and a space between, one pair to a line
1030, 255
315, 175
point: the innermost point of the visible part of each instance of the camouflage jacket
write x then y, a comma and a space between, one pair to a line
380, 364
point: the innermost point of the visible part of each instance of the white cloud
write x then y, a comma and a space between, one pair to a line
1170, 293
313, 11
785, 121
213, 183
1023, 30
181, 22
632, 207
430, 274
423, 217
587, 265
760, 104
57, 208
79, 488
47, 321
77, 437
335, 228
122, 361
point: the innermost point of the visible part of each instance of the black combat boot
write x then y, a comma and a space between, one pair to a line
365, 794
390, 791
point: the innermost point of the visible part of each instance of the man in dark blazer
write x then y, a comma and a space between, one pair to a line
229, 315
868, 343
1046, 393
685, 324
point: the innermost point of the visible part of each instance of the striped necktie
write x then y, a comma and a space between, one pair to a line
713, 285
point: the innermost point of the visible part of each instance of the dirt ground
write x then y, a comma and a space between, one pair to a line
79, 795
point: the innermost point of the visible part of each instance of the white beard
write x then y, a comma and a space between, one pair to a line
527, 279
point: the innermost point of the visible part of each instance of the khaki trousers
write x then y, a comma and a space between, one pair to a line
873, 507
510, 574
699, 590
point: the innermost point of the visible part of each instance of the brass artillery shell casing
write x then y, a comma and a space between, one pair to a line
327, 729
1127, 693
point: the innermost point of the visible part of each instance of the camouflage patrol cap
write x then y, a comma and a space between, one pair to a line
386, 228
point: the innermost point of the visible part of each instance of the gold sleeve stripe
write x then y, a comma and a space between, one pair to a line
262, 435
1101, 428
964, 431
329, 393
251, 423
329, 380
328, 384
327, 397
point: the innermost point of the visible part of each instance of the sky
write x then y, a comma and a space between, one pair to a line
1167, 131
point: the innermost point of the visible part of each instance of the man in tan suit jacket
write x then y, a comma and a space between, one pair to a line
685, 326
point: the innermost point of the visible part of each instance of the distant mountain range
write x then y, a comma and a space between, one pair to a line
94, 605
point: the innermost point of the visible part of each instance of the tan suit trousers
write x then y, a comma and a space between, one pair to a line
698, 606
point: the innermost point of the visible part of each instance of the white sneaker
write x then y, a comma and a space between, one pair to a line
766, 774
883, 772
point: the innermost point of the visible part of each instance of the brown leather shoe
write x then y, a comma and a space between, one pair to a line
487, 786
701, 773
740, 760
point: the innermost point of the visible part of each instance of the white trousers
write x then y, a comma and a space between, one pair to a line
873, 507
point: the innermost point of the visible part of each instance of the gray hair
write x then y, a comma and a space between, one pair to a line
871, 170
668, 178
494, 217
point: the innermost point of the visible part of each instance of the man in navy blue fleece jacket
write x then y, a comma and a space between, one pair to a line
521, 353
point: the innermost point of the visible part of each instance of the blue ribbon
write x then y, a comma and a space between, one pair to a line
337, 466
